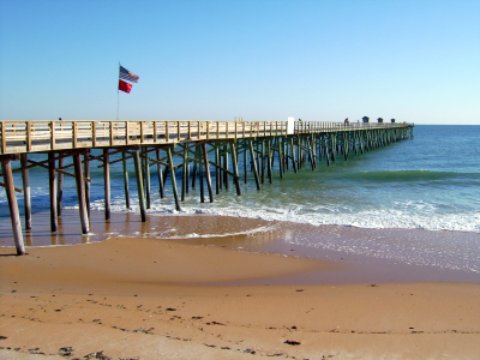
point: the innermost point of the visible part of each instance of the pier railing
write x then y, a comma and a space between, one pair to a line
36, 136
305, 127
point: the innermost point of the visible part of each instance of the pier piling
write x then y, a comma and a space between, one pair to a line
27, 200
82, 202
13, 205
140, 190
106, 182
52, 191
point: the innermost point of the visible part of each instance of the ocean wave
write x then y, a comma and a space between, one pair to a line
172, 236
371, 219
411, 176
407, 215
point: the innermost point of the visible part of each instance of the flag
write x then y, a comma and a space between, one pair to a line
128, 75
124, 86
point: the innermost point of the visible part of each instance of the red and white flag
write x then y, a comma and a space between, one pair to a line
124, 86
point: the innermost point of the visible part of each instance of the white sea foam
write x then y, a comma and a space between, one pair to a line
444, 252
408, 215
193, 235
373, 219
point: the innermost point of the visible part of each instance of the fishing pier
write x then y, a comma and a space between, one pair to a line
213, 155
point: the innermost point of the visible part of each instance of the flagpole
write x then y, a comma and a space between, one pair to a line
118, 103
118, 96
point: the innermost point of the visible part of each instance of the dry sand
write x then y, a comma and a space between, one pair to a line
138, 298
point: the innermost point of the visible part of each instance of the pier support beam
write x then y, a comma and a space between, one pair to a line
254, 165
184, 171
200, 173
311, 154
146, 177
207, 172
236, 175
270, 160
261, 144
174, 178
139, 177
106, 182
52, 185
218, 176
13, 205
245, 162
280, 156
82, 203
160, 174
125, 180
333, 146
225, 166
294, 160
327, 150
60, 185
86, 166
27, 200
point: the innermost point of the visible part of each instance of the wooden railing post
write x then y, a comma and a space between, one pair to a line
52, 135
111, 129
94, 133
29, 135
155, 131
74, 134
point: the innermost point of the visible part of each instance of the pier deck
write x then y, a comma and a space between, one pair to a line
38, 136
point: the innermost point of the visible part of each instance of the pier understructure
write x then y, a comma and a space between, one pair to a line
212, 155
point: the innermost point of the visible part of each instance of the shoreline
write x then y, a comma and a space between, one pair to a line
282, 238
69, 226
228, 297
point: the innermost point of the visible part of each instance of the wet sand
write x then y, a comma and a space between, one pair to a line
211, 297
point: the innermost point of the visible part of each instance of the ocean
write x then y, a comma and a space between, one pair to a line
430, 182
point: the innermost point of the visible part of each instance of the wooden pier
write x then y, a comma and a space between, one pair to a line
203, 153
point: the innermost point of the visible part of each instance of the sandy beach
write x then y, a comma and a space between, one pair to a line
146, 298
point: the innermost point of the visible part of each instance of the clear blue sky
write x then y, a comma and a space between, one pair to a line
319, 60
